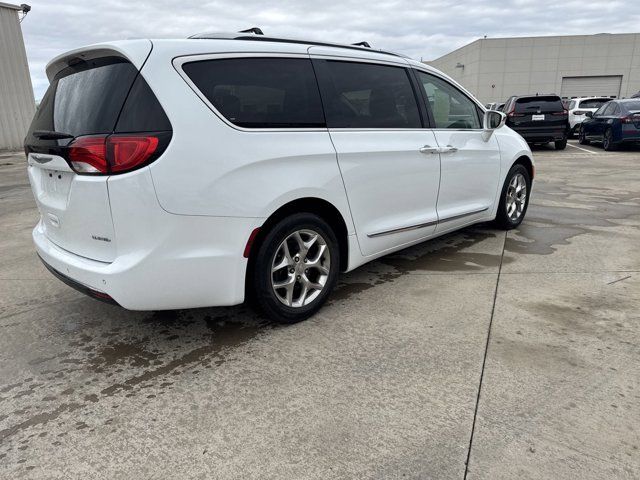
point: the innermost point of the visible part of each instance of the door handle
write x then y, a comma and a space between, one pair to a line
448, 149
429, 149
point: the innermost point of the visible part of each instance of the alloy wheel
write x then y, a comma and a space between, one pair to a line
300, 268
516, 197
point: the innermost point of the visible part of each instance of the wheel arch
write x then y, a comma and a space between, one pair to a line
527, 163
318, 206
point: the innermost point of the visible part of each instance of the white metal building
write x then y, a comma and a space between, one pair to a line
17, 104
571, 66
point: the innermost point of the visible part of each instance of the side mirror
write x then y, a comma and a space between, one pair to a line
491, 121
589, 114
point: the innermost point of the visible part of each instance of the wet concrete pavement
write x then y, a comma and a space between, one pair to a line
382, 383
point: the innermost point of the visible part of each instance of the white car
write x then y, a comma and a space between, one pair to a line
199, 172
578, 108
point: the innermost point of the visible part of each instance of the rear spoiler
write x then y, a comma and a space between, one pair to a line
136, 51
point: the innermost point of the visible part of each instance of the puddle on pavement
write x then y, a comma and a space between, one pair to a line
548, 226
443, 254
135, 351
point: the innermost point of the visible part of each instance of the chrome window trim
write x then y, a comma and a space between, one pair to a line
426, 224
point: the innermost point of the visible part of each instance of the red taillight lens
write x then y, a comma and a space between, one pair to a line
564, 112
88, 154
104, 154
631, 119
126, 152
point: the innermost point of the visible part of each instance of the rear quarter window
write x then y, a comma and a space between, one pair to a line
260, 92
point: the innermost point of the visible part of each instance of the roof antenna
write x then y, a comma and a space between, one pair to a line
254, 30
362, 44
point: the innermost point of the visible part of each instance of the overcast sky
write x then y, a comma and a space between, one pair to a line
424, 29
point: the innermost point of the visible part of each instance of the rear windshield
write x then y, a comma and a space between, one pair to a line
632, 106
89, 98
539, 104
593, 103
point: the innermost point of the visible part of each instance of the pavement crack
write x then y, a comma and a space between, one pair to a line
619, 280
484, 360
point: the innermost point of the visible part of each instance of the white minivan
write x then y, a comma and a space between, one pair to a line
199, 172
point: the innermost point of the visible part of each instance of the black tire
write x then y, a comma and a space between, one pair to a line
503, 220
561, 144
582, 139
607, 141
263, 294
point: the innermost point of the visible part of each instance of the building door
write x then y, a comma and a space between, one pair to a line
597, 86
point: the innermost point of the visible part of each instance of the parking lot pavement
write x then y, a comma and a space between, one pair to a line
518, 352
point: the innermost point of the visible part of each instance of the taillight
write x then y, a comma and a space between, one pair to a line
88, 154
563, 112
126, 152
631, 119
513, 113
107, 154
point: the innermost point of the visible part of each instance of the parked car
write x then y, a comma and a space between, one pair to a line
637, 95
578, 108
188, 173
500, 107
539, 119
613, 124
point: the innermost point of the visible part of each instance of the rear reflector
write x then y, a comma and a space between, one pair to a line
252, 238
106, 154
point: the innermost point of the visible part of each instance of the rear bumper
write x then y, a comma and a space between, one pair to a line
103, 297
533, 136
197, 262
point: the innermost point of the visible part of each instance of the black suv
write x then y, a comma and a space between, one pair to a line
539, 119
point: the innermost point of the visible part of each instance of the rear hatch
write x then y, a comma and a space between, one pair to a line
98, 118
539, 113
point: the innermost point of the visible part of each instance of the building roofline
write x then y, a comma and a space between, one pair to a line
11, 6
534, 37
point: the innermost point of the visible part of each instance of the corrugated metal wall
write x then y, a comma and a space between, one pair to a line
17, 105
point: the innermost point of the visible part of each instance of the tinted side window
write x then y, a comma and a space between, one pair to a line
450, 107
609, 109
260, 92
365, 95
601, 110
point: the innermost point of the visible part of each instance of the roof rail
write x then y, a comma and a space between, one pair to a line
256, 30
256, 34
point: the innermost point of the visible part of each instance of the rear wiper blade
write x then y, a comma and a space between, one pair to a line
51, 135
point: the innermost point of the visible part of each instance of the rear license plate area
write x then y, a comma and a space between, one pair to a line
537, 118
